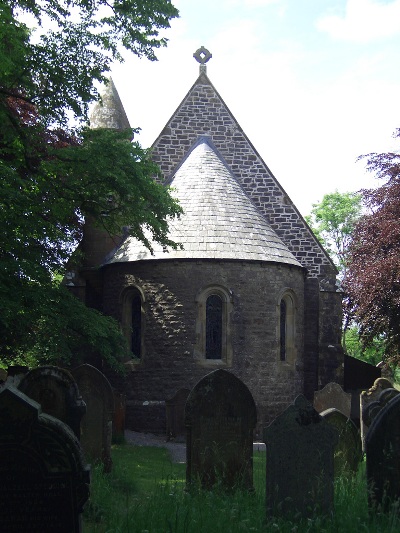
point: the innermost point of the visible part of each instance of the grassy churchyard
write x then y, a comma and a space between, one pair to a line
145, 493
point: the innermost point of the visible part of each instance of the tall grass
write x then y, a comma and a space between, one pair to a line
145, 493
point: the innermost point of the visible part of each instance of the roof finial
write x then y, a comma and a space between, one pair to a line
202, 55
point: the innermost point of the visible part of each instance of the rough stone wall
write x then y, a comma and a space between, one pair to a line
203, 112
168, 363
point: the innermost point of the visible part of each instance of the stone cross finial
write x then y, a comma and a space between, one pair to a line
202, 55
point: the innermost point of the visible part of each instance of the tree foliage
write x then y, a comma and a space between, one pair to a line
372, 280
332, 221
52, 176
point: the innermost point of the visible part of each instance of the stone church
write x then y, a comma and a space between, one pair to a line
251, 291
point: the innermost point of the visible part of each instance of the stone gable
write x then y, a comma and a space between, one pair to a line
203, 112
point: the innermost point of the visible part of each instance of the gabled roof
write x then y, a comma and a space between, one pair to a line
219, 220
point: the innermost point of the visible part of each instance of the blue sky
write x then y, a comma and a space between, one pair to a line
313, 83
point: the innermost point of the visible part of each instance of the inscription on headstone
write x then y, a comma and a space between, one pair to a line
348, 451
382, 446
96, 424
44, 480
300, 470
220, 417
56, 391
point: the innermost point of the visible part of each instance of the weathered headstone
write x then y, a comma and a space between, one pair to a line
300, 471
175, 407
44, 480
56, 391
96, 424
220, 417
332, 396
348, 451
382, 446
368, 397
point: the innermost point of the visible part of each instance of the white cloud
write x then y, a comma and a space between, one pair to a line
364, 21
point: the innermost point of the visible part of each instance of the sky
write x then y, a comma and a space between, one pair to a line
313, 83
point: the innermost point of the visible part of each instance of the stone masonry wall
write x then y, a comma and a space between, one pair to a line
168, 363
203, 112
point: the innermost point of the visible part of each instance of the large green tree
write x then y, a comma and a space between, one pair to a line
332, 221
52, 176
372, 281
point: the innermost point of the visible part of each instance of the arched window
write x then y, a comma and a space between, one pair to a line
286, 321
132, 319
213, 343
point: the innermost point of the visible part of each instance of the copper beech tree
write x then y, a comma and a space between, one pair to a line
372, 281
53, 176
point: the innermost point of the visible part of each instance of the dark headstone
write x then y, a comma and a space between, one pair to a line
368, 397
44, 481
382, 446
56, 391
220, 417
175, 408
300, 446
96, 424
118, 427
348, 451
332, 396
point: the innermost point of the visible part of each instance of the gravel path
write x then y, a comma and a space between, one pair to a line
177, 450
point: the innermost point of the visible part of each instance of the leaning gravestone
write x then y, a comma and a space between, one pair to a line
348, 451
332, 396
382, 446
368, 397
175, 415
220, 417
300, 471
44, 481
56, 391
96, 424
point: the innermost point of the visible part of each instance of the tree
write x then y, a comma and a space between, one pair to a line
332, 221
372, 281
52, 176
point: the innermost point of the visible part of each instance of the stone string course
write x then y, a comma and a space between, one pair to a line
203, 112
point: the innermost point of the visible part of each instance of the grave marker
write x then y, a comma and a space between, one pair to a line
220, 417
333, 396
96, 424
300, 446
175, 408
44, 480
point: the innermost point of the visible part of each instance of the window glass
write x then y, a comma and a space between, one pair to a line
214, 327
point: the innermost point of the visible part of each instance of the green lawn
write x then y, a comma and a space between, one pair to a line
145, 493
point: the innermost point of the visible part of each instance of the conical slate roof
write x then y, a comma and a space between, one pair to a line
219, 220
109, 113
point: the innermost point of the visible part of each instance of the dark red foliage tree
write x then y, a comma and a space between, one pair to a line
372, 281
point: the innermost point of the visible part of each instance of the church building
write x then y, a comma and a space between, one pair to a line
251, 290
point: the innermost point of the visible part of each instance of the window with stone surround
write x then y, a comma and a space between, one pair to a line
213, 343
286, 326
133, 319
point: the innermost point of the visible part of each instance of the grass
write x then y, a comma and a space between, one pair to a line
145, 493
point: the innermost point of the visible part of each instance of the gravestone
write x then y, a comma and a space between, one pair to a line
367, 397
300, 471
220, 417
382, 446
96, 424
175, 414
56, 391
348, 451
118, 427
332, 396
44, 480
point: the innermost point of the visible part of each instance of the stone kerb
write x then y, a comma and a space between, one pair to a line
220, 417
56, 391
96, 424
44, 480
300, 448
